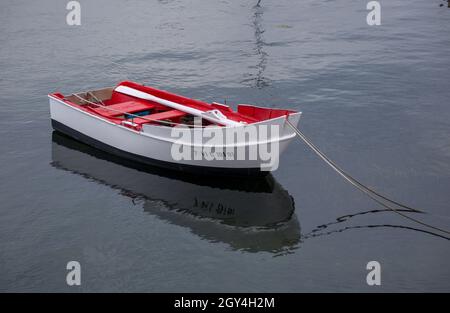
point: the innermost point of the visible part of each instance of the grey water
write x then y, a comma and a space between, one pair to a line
374, 98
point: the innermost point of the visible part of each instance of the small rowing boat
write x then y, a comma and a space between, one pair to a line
160, 128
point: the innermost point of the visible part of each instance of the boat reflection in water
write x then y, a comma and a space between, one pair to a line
247, 214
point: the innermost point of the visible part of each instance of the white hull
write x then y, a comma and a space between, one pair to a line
154, 142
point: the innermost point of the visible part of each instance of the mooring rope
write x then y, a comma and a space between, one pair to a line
368, 191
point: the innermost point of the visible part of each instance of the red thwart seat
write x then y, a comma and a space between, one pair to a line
128, 107
158, 116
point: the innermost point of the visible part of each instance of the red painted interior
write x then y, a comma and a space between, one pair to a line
127, 104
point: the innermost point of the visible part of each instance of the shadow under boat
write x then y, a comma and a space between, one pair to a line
247, 214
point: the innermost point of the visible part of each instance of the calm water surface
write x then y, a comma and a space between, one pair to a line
375, 99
